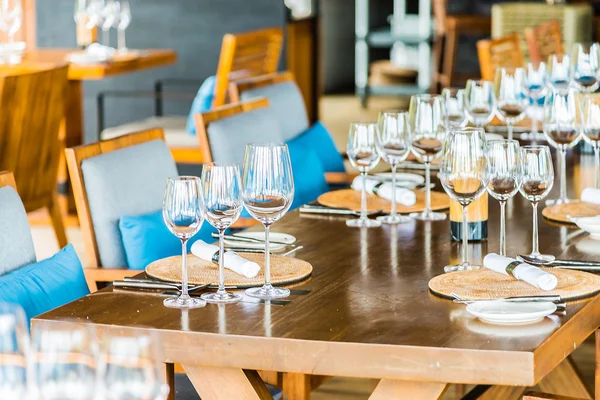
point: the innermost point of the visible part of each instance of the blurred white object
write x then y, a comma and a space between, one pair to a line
588, 224
404, 197
523, 272
11, 17
11, 53
404, 56
591, 195
300, 8
93, 54
124, 21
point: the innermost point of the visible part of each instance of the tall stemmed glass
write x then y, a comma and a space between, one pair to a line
559, 72
183, 212
14, 341
11, 17
509, 88
504, 178
463, 173
124, 21
454, 100
268, 192
480, 102
535, 84
591, 129
223, 203
586, 67
427, 121
537, 178
110, 15
560, 127
393, 144
363, 155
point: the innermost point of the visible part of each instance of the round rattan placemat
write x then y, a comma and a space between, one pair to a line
349, 198
284, 270
559, 212
486, 284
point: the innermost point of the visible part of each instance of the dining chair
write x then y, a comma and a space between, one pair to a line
32, 134
496, 53
544, 396
544, 40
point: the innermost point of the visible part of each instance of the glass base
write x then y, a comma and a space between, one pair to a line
393, 219
533, 136
221, 297
460, 267
363, 223
553, 202
541, 257
268, 292
428, 216
184, 302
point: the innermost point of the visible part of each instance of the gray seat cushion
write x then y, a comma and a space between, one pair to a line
228, 137
16, 243
288, 105
129, 181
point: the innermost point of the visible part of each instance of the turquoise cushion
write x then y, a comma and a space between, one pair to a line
45, 285
146, 238
309, 176
318, 139
202, 102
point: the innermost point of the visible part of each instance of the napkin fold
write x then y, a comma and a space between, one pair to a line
384, 190
591, 195
523, 272
233, 262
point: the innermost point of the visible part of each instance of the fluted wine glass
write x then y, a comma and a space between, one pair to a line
267, 192
427, 121
393, 144
454, 100
504, 178
183, 212
535, 84
559, 72
537, 178
586, 67
222, 191
464, 176
480, 102
511, 96
14, 343
591, 129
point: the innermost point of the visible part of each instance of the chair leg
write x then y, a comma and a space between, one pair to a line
57, 222
450, 56
170, 370
296, 386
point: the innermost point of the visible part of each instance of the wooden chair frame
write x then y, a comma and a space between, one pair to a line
551, 34
7, 179
487, 53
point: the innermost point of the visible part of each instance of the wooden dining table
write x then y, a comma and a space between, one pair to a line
366, 312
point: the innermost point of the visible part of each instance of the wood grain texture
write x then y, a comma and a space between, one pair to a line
503, 52
7, 179
503, 392
544, 396
405, 390
544, 40
561, 212
564, 380
226, 383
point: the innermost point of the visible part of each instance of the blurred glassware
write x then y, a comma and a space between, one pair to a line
14, 344
586, 67
559, 72
591, 129
536, 86
455, 108
11, 17
110, 15
95, 9
509, 88
124, 21
480, 102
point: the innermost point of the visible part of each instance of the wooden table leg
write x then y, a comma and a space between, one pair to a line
597, 374
408, 390
564, 380
226, 383
297, 386
503, 392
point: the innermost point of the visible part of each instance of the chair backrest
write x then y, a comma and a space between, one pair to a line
245, 55
16, 243
284, 98
113, 178
497, 53
544, 40
32, 130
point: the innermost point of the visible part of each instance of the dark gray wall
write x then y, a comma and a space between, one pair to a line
194, 28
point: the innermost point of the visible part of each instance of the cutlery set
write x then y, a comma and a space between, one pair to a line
557, 300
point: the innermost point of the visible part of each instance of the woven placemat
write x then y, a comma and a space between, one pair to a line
559, 212
486, 284
349, 198
283, 270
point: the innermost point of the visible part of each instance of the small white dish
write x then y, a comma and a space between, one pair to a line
273, 236
506, 312
544, 327
403, 178
588, 224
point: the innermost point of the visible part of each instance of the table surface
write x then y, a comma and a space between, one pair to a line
369, 312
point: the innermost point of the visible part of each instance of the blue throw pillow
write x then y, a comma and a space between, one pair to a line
202, 102
146, 238
45, 285
309, 176
318, 139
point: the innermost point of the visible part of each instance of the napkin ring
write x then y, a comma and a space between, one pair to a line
510, 268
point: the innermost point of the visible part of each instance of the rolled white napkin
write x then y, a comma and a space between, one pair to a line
591, 195
523, 272
234, 262
403, 196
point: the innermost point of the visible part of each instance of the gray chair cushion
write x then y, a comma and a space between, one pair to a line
16, 243
288, 105
129, 181
228, 137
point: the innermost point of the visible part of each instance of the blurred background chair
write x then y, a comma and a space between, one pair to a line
504, 52
544, 40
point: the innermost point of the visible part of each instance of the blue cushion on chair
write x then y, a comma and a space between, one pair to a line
45, 285
202, 102
309, 176
318, 139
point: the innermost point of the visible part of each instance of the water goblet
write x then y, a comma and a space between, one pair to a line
590, 110
183, 212
480, 102
535, 84
14, 341
267, 192
393, 145
559, 72
586, 67
454, 100
509, 88
223, 204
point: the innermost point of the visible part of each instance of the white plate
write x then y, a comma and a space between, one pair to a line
273, 236
506, 312
83, 58
403, 177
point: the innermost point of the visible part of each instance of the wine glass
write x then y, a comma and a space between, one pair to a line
14, 341
591, 129
559, 72
124, 21
95, 9
586, 67
223, 203
463, 174
561, 130
268, 192
110, 15
393, 145
454, 100
535, 84
363, 155
537, 178
183, 212
503, 183
509, 88
11, 17
427, 115
480, 102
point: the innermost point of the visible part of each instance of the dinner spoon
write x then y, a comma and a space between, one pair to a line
566, 264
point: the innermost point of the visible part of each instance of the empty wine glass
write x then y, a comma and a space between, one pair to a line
562, 131
223, 203
535, 84
454, 100
480, 102
427, 116
509, 88
14, 341
503, 173
110, 15
393, 145
463, 173
11, 17
268, 192
591, 129
363, 155
586, 67
559, 72
124, 21
95, 9
537, 178
183, 212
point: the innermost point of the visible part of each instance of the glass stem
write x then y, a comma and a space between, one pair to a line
427, 188
267, 259
393, 211
221, 289
465, 238
563, 174
184, 270
105, 37
503, 228
534, 124
534, 238
597, 164
122, 45
510, 130
363, 198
